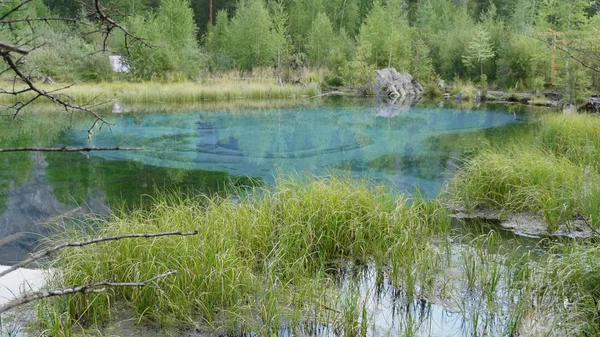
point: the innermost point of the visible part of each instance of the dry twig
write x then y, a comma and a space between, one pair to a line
70, 149
48, 251
85, 289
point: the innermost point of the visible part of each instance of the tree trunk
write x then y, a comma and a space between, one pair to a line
210, 12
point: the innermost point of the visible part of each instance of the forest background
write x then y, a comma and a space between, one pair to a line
514, 45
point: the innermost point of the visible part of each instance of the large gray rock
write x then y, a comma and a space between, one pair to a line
394, 85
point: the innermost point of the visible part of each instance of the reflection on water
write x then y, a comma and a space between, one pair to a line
397, 150
208, 150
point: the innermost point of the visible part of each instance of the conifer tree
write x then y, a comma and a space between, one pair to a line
320, 39
252, 40
479, 50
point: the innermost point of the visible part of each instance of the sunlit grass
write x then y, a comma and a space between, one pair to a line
156, 92
576, 137
261, 262
553, 174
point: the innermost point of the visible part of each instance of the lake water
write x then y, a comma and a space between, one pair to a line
208, 149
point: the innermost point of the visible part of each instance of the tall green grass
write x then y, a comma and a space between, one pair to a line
554, 174
524, 179
156, 92
575, 137
258, 263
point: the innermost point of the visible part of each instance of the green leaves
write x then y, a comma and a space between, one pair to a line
320, 40
480, 49
252, 40
172, 32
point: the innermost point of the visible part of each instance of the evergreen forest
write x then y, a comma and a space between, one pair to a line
509, 44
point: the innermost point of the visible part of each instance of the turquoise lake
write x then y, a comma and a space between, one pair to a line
209, 150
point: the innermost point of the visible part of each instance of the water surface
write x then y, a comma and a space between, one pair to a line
208, 150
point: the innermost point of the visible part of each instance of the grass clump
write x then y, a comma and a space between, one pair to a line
554, 173
255, 264
523, 179
576, 137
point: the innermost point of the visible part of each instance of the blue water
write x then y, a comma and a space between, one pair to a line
403, 151
209, 150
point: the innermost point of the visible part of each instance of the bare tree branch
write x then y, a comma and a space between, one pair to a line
51, 250
7, 48
69, 149
571, 55
42, 93
100, 16
10, 238
9, 21
16, 8
85, 289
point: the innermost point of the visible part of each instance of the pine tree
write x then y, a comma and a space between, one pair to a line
320, 39
479, 50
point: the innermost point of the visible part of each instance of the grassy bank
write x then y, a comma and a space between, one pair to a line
554, 173
272, 258
320, 252
156, 92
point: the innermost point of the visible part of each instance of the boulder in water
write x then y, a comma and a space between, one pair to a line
394, 84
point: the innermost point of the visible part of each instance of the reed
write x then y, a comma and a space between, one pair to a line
156, 92
576, 137
524, 179
253, 262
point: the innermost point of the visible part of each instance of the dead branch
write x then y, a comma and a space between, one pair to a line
69, 149
42, 93
7, 48
85, 289
47, 20
98, 15
48, 251
569, 54
16, 8
10, 238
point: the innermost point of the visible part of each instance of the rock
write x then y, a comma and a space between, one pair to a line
46, 80
119, 64
569, 109
478, 96
459, 96
442, 85
395, 85
592, 105
446, 96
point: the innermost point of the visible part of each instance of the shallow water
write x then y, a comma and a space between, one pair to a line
208, 149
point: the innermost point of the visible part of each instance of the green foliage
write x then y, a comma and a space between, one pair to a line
320, 40
421, 64
174, 50
215, 43
252, 40
429, 38
524, 62
387, 32
75, 59
451, 44
479, 50
359, 72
